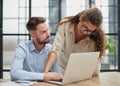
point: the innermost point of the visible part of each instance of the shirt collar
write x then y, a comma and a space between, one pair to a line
32, 47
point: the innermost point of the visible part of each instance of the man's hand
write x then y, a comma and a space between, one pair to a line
52, 76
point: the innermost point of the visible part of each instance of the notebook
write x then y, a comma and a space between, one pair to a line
80, 67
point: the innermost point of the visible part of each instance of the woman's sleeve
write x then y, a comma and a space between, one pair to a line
98, 67
59, 40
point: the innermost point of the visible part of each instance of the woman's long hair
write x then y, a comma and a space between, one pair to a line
94, 16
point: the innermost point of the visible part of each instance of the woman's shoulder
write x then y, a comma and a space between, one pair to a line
63, 22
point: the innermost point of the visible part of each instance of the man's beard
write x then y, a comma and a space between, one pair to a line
45, 41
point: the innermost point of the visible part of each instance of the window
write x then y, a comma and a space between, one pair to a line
15, 18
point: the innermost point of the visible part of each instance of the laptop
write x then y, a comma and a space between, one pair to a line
80, 67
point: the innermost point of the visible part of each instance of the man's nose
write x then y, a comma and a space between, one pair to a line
48, 33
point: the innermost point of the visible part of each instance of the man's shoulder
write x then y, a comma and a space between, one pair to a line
25, 44
48, 45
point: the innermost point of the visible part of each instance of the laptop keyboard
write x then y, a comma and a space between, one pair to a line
58, 80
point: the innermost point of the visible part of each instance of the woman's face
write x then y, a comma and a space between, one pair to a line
85, 27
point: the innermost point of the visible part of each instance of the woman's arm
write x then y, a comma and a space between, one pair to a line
56, 48
50, 62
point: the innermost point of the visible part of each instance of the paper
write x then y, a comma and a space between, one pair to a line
9, 83
25, 83
17, 83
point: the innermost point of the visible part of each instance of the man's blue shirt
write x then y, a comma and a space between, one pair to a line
28, 63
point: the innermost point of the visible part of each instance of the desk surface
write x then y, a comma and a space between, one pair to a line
104, 79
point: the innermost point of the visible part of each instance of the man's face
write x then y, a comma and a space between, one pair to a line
41, 35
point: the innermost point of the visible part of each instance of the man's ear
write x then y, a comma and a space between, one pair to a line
81, 17
32, 34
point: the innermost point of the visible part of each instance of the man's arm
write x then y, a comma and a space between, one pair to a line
25, 75
17, 72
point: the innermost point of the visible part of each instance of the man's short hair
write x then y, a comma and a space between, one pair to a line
33, 22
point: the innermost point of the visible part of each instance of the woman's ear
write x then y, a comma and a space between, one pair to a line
81, 17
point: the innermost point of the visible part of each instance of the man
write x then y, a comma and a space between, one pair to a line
30, 58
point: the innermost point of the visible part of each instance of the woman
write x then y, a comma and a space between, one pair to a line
80, 33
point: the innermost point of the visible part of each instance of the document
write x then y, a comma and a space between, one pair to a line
18, 83
9, 83
25, 83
